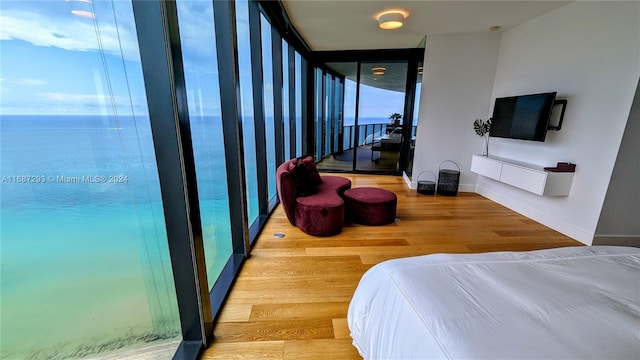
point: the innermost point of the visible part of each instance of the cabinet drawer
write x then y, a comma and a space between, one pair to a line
523, 178
486, 167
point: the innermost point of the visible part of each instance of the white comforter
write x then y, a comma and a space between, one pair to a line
576, 302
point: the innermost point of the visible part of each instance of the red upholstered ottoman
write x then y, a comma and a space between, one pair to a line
370, 206
320, 215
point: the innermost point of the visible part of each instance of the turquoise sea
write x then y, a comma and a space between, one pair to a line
85, 268
84, 264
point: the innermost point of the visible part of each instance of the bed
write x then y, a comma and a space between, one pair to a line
575, 302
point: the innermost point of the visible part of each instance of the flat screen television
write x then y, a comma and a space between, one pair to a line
524, 117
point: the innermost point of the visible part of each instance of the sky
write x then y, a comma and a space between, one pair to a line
55, 61
50, 61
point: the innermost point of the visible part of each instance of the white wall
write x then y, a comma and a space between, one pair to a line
457, 82
589, 52
619, 220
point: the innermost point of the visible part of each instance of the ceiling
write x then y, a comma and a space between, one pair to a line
351, 24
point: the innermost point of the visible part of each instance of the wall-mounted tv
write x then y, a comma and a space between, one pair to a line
524, 117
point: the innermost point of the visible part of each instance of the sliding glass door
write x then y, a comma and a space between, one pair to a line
381, 115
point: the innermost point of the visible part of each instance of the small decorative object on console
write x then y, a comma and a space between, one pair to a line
562, 167
482, 128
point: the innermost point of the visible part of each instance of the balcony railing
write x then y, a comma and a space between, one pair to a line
366, 134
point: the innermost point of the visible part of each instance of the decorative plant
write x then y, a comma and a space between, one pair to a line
395, 118
482, 128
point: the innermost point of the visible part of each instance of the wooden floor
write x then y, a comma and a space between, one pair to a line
290, 300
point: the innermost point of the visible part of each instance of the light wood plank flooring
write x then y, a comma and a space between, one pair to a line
290, 300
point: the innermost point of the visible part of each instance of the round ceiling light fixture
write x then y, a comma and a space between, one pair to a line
391, 19
378, 68
378, 73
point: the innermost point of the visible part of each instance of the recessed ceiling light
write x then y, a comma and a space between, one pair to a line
494, 28
378, 73
378, 68
391, 19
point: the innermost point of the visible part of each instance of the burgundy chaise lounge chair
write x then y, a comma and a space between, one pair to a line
311, 202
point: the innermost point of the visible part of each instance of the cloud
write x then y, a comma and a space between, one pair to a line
75, 98
31, 82
73, 34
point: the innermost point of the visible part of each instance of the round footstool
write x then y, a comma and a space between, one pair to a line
320, 214
370, 206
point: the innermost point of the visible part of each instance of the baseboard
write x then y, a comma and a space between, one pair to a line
565, 228
617, 240
410, 184
466, 188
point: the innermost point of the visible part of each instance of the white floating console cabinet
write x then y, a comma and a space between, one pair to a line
529, 177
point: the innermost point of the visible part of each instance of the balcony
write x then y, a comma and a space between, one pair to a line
378, 148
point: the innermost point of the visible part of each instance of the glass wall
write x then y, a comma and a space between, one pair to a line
269, 116
203, 95
246, 108
286, 124
85, 267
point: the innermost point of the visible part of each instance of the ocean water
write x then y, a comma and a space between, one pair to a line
84, 261
85, 266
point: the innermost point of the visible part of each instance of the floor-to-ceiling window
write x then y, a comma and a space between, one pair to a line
269, 115
246, 108
203, 94
85, 268
286, 98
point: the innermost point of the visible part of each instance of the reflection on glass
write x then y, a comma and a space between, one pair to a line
203, 95
285, 100
267, 73
84, 266
380, 112
246, 101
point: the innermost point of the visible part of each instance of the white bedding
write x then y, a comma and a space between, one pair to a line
576, 302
